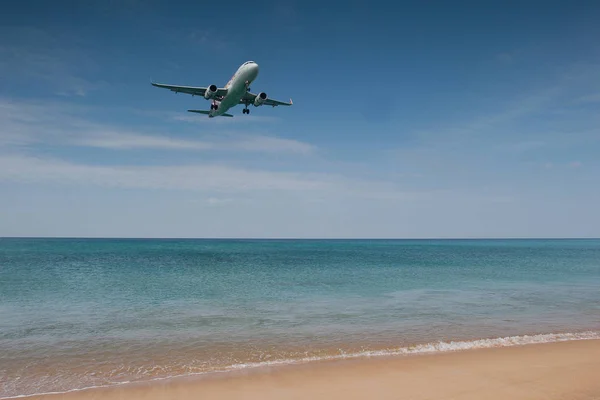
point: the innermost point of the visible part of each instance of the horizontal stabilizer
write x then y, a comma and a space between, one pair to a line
208, 113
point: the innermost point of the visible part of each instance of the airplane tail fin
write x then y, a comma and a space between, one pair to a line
208, 113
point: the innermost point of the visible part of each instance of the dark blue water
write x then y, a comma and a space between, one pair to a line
77, 313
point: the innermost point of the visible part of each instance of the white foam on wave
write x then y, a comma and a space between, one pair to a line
434, 347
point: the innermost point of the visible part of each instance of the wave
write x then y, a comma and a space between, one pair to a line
433, 347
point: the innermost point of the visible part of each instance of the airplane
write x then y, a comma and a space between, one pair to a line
236, 91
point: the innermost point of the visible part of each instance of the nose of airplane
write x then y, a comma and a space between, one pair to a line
254, 70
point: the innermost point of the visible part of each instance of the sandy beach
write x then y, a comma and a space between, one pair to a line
543, 371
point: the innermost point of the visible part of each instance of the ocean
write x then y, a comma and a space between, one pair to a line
79, 313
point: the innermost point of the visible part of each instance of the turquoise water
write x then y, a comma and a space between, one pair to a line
77, 313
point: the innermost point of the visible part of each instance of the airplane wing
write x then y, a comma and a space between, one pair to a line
249, 97
193, 90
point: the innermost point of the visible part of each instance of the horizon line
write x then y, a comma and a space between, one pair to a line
303, 238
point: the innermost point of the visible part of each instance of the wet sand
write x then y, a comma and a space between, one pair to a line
563, 370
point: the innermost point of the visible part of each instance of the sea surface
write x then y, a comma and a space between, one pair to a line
77, 313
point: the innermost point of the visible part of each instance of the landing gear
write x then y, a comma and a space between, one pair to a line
214, 106
246, 111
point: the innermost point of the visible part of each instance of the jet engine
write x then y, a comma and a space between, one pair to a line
211, 91
260, 99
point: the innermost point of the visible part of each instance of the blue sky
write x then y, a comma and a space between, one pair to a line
417, 119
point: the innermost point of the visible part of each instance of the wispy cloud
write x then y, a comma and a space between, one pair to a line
497, 121
28, 169
34, 123
214, 201
524, 106
538, 102
537, 123
29, 125
206, 178
202, 119
273, 144
125, 141
522, 138
34, 55
122, 140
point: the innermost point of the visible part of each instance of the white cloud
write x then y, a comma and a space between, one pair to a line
31, 123
125, 141
207, 178
203, 119
28, 169
521, 107
273, 144
536, 104
521, 133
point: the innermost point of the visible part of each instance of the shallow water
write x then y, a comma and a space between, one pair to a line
77, 313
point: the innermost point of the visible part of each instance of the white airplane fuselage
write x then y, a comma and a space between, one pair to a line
236, 88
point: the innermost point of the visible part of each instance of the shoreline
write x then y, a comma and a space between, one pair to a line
548, 371
402, 354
